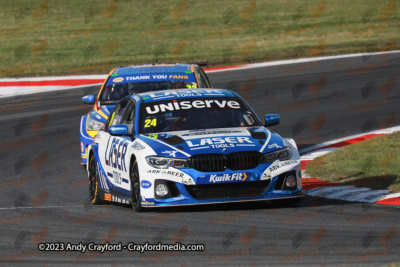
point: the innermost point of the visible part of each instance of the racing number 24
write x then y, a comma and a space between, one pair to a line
149, 123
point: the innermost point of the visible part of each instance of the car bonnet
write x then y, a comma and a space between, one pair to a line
184, 144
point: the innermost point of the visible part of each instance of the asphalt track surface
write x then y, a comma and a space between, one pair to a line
44, 191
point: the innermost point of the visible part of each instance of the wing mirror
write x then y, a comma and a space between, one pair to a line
88, 99
120, 129
272, 119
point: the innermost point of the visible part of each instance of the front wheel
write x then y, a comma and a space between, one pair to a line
93, 181
135, 187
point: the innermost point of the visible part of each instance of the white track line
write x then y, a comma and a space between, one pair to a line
320, 152
55, 78
303, 60
28, 90
49, 207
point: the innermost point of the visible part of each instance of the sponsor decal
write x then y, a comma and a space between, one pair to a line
138, 146
115, 153
188, 181
95, 114
107, 197
191, 104
103, 180
145, 184
118, 128
165, 172
171, 153
153, 136
147, 203
282, 164
119, 200
118, 80
207, 132
141, 77
185, 93
274, 145
219, 142
267, 175
183, 77
240, 176
117, 177
157, 77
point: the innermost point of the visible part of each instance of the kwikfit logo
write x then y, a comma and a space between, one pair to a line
228, 177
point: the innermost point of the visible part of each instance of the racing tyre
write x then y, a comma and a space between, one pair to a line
93, 181
135, 187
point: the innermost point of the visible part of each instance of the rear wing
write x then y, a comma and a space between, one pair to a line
201, 64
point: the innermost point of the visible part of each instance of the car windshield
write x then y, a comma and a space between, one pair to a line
112, 94
195, 114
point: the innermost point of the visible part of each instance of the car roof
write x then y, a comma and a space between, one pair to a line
154, 69
183, 94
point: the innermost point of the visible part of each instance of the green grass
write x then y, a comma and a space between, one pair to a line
67, 37
373, 163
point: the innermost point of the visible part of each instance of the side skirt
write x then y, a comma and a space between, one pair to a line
115, 197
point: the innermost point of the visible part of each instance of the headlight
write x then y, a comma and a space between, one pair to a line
282, 154
164, 163
93, 125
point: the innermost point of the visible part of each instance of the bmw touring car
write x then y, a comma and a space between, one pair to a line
188, 147
135, 79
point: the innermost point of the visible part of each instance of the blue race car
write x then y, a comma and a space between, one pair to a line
135, 79
188, 147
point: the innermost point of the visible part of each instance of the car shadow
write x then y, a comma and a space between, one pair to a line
305, 202
376, 182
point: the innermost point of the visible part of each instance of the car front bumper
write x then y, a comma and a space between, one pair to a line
268, 189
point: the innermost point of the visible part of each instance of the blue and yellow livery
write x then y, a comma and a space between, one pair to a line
132, 80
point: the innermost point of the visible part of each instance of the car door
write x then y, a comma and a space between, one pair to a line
113, 149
